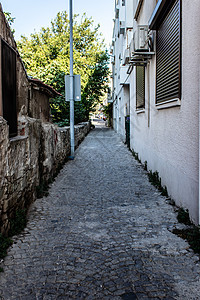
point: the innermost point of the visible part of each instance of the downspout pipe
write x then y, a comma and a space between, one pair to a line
199, 146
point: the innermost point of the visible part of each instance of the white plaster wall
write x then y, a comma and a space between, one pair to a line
122, 11
121, 115
129, 13
146, 11
170, 145
126, 100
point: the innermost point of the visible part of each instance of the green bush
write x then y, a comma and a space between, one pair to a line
18, 223
192, 235
156, 181
5, 242
183, 216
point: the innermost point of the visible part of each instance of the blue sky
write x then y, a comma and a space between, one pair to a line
32, 15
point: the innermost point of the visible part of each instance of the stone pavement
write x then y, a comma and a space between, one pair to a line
104, 232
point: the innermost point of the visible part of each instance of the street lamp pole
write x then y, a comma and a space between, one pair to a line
72, 142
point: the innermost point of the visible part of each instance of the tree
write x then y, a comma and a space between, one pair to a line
108, 111
97, 84
46, 57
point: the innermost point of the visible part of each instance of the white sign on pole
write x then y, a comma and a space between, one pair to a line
77, 87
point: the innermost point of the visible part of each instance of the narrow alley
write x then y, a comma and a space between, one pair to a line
103, 232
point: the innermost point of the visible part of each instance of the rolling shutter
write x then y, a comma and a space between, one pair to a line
9, 87
140, 87
168, 56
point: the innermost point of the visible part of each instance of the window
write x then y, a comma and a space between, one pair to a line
140, 87
8, 75
168, 60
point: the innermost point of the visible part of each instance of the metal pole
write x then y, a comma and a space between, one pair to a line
71, 83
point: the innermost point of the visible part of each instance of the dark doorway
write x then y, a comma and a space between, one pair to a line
9, 87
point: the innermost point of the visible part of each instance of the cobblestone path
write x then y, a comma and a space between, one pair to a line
102, 233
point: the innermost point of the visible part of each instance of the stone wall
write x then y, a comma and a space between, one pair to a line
29, 159
40, 148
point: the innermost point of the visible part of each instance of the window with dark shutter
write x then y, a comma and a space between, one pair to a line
168, 59
8, 65
140, 87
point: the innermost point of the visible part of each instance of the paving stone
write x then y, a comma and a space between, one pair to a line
103, 232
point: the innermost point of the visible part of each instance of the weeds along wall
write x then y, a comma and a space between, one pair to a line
27, 161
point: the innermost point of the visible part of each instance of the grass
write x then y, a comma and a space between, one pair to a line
5, 242
18, 223
135, 154
183, 216
153, 176
190, 234
42, 189
156, 181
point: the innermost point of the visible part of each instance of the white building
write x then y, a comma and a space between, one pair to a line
156, 81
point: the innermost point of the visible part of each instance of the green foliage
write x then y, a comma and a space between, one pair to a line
60, 111
154, 178
18, 222
164, 191
108, 112
97, 84
183, 216
10, 20
46, 56
5, 242
156, 181
42, 189
135, 154
171, 202
192, 235
145, 166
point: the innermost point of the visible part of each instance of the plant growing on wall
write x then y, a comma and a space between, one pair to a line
10, 20
46, 57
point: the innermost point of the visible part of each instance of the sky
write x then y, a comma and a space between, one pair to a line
32, 15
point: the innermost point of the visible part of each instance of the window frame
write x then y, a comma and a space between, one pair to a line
139, 106
174, 100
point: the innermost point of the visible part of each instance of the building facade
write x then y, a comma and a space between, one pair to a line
155, 61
